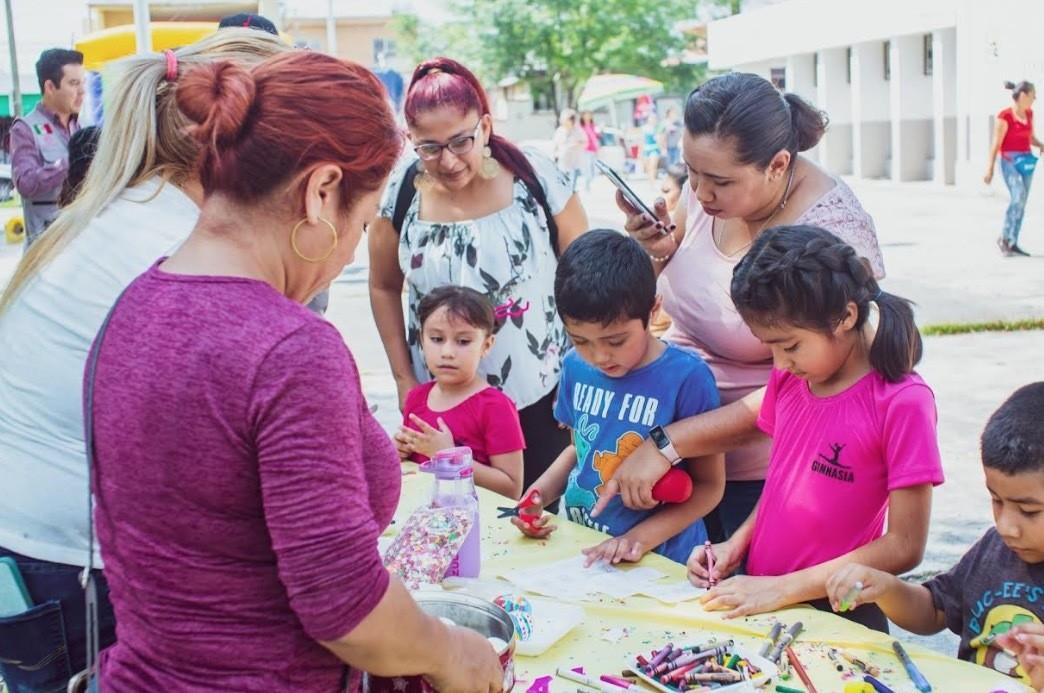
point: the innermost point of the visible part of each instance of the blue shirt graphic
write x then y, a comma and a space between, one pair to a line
610, 417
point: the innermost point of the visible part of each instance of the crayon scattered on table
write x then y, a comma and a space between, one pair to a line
860, 664
911, 669
773, 636
785, 640
799, 669
780, 688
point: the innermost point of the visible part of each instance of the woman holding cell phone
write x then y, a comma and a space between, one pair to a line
741, 147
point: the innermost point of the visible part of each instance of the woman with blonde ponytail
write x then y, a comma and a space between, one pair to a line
139, 201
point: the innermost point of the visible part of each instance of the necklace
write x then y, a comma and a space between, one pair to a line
779, 208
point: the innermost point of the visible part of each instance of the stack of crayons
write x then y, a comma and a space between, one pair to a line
700, 667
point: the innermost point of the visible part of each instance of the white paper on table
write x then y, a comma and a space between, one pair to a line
673, 592
569, 579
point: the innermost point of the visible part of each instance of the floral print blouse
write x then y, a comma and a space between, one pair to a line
506, 255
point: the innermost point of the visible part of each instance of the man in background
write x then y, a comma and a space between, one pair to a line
40, 140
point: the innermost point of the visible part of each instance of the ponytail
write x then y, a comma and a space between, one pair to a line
809, 123
897, 346
1018, 89
806, 276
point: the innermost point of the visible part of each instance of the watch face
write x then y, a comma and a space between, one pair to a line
659, 437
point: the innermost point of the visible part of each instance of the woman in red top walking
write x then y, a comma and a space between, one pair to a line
1013, 137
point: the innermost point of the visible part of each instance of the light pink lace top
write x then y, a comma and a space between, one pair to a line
695, 288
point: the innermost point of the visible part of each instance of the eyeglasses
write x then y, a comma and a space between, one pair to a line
459, 146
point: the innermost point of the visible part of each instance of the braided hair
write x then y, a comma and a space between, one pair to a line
806, 276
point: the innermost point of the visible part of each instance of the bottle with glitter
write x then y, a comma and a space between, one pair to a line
454, 487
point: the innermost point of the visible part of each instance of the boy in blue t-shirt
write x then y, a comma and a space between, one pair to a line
618, 384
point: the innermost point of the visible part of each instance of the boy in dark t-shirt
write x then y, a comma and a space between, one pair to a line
998, 585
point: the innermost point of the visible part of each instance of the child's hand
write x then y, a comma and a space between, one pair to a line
614, 550
875, 584
1026, 642
540, 528
726, 560
427, 440
744, 595
404, 449
634, 479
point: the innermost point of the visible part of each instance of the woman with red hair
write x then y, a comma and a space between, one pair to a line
476, 211
240, 480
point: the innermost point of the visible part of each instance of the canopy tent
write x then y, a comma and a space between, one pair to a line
604, 90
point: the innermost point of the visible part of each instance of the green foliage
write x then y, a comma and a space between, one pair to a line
556, 45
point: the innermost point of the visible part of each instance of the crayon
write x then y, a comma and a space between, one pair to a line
860, 664
785, 641
911, 669
780, 688
850, 595
709, 550
773, 636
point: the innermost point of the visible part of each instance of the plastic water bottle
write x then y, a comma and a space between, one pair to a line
454, 471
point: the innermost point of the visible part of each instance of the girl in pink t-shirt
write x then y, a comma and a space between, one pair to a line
459, 407
852, 428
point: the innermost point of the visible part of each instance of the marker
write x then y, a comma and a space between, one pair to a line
850, 595
878, 686
911, 669
780, 688
709, 550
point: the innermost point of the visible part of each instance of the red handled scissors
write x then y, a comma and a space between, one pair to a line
529, 509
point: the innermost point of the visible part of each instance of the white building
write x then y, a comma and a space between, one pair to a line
911, 86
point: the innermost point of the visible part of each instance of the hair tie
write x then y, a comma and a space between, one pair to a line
172, 65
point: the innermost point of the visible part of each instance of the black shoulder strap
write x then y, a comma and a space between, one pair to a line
407, 191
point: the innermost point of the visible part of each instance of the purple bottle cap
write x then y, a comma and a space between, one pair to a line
450, 464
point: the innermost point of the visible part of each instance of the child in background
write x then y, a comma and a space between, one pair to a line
852, 427
619, 384
997, 588
459, 407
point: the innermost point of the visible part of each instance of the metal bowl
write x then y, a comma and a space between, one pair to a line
485, 618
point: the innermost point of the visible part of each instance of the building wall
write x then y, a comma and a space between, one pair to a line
355, 38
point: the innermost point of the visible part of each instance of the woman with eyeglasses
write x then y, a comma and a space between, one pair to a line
472, 209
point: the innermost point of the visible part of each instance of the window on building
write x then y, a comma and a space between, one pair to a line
887, 60
929, 55
383, 49
848, 65
815, 69
778, 76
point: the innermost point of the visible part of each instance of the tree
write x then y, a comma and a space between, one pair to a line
556, 45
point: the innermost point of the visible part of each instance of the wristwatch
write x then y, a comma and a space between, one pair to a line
664, 445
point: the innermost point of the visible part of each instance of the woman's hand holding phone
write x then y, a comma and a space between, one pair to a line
655, 234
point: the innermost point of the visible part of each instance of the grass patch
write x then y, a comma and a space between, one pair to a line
950, 328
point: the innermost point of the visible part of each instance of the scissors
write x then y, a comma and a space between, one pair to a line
529, 509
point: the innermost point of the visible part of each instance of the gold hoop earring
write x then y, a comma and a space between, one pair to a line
490, 167
297, 251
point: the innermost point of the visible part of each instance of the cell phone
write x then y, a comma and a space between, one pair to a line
14, 597
629, 195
